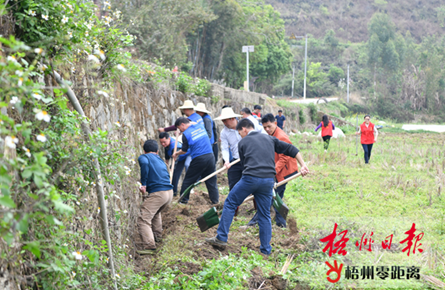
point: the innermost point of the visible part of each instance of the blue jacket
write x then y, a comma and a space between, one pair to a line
169, 150
212, 139
198, 141
196, 118
154, 173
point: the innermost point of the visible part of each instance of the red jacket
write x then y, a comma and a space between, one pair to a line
326, 131
367, 136
284, 165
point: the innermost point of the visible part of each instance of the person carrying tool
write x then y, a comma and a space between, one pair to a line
210, 127
368, 137
327, 127
203, 161
256, 152
169, 145
157, 194
247, 114
229, 145
285, 166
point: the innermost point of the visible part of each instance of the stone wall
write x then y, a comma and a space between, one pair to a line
143, 109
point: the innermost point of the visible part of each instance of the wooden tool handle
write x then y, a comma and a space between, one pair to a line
174, 151
287, 180
218, 171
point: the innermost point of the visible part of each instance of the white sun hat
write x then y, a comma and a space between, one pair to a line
188, 104
201, 107
227, 113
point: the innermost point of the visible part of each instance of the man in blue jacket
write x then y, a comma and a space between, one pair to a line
169, 145
196, 139
157, 194
257, 154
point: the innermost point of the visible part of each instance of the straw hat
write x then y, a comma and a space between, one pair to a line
187, 105
201, 107
227, 113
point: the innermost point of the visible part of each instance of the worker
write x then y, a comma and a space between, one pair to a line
281, 119
229, 145
157, 193
327, 127
169, 145
203, 161
285, 166
257, 155
257, 113
210, 127
368, 137
187, 109
247, 114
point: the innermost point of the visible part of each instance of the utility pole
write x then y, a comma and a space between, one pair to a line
305, 64
305, 68
347, 98
293, 78
247, 49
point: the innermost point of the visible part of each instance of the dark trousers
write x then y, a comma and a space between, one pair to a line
234, 174
326, 140
281, 222
215, 151
261, 188
367, 148
201, 166
179, 166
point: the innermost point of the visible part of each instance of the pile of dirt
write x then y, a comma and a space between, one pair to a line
258, 281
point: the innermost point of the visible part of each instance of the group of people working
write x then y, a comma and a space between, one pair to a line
266, 156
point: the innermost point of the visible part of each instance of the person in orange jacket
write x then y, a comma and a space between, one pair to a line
327, 127
368, 137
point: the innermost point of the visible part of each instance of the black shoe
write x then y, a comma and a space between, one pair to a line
183, 202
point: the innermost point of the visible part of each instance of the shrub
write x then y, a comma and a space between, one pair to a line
301, 116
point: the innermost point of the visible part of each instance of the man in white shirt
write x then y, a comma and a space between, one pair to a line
247, 114
229, 145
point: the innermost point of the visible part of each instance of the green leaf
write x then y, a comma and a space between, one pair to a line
7, 201
33, 247
9, 238
61, 207
23, 224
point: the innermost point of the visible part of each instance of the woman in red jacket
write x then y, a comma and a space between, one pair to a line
326, 131
368, 137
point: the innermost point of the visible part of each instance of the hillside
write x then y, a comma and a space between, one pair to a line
349, 19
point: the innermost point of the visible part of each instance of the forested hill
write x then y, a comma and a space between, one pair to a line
349, 19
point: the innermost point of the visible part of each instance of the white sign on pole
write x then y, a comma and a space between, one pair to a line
248, 48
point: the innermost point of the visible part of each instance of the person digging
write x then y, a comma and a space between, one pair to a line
257, 154
155, 181
285, 166
203, 161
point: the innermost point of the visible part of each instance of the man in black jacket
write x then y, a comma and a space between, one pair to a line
257, 153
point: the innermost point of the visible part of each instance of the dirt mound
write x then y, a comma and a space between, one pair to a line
258, 281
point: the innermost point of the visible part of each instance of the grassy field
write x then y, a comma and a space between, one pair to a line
401, 186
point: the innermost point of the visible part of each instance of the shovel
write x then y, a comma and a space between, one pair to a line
278, 203
205, 179
210, 218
